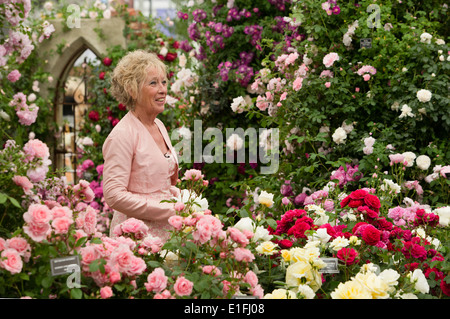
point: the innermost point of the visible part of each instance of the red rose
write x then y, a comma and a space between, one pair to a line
171, 56
114, 122
176, 45
285, 243
370, 235
101, 76
369, 213
93, 115
419, 252
107, 61
359, 194
355, 203
122, 107
348, 255
445, 287
372, 201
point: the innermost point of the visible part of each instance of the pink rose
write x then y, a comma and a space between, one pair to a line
36, 148
179, 206
61, 224
366, 77
183, 287
192, 174
88, 255
297, 85
13, 76
37, 214
61, 211
176, 222
137, 266
330, 58
327, 85
156, 281
237, 236
106, 292
11, 261
121, 258
23, 182
37, 231
134, 226
18, 243
251, 278
243, 254
211, 270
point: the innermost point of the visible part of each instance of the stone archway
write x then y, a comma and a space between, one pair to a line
60, 52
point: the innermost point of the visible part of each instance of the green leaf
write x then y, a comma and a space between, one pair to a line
47, 282
76, 293
3, 198
14, 202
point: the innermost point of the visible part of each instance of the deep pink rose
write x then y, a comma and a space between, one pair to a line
183, 287
106, 292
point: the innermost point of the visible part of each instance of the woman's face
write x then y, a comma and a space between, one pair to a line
153, 93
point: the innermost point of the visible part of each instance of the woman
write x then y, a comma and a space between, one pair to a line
140, 164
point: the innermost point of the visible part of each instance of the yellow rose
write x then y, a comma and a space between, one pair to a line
267, 248
303, 273
286, 255
373, 284
281, 294
351, 290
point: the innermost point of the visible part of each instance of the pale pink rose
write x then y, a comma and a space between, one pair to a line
61, 211
3, 244
137, 266
37, 214
37, 231
179, 206
106, 292
237, 236
88, 255
396, 158
20, 244
156, 281
243, 254
298, 82
207, 227
23, 182
36, 148
176, 222
283, 96
257, 291
134, 226
251, 278
192, 174
121, 258
153, 243
330, 58
11, 261
37, 174
183, 286
61, 224
83, 191
209, 269
87, 220
164, 295
366, 77
291, 58
327, 85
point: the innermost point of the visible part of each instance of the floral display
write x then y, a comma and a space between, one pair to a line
358, 208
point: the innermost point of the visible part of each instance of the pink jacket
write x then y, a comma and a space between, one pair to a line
134, 167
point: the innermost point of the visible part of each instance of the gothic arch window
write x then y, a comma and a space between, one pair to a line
71, 105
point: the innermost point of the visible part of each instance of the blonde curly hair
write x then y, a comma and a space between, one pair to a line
130, 74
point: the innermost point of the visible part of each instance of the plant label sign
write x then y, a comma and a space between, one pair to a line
365, 43
64, 265
331, 267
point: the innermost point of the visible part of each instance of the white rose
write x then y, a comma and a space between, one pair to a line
424, 95
423, 162
265, 199
306, 291
409, 158
338, 243
235, 142
390, 277
444, 215
425, 37
339, 136
321, 235
245, 223
420, 281
261, 234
